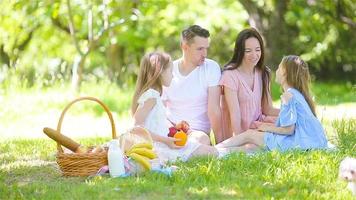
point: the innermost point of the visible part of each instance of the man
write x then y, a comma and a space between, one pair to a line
194, 93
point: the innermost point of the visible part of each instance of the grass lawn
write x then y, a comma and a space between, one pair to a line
28, 169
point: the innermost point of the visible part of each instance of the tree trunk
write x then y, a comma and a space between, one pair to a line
115, 58
4, 57
276, 32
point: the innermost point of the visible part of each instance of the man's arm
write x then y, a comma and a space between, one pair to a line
214, 111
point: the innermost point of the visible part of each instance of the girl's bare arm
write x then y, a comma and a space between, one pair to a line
287, 130
140, 118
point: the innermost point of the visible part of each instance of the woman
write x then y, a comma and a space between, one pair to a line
246, 81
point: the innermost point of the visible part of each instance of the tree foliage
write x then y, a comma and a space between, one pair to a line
42, 42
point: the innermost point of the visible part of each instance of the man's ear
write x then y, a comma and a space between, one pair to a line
184, 45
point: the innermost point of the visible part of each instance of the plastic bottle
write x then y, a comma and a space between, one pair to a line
115, 159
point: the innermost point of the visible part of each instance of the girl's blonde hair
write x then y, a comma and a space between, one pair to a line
151, 67
297, 76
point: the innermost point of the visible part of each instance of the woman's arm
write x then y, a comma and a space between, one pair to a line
234, 109
287, 130
140, 118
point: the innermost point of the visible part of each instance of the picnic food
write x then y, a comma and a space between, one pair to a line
115, 159
142, 153
142, 145
97, 149
183, 138
64, 140
183, 125
141, 160
135, 137
179, 131
172, 131
84, 162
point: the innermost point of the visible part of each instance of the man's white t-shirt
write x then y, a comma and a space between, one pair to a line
187, 96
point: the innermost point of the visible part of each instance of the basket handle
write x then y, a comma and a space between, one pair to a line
113, 130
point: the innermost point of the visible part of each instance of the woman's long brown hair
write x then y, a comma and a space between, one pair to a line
298, 77
239, 53
151, 67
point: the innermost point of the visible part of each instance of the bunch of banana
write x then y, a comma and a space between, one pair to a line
142, 153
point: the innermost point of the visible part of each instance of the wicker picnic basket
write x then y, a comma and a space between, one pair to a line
82, 164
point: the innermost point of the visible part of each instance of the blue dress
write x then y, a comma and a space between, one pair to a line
308, 132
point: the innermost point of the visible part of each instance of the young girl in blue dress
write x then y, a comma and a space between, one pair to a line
297, 126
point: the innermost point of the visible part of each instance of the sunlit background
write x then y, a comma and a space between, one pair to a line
54, 51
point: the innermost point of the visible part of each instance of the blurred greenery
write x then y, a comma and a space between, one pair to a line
37, 47
325, 93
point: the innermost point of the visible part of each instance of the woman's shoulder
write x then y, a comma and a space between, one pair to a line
230, 75
229, 71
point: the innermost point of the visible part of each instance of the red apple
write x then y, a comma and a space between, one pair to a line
172, 131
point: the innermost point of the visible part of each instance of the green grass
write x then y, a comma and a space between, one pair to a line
28, 171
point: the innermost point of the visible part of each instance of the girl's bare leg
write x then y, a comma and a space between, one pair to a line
249, 136
250, 146
243, 148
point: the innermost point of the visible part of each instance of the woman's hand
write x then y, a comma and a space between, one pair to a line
255, 124
169, 141
264, 127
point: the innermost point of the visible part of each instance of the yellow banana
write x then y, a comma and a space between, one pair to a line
144, 145
149, 153
141, 160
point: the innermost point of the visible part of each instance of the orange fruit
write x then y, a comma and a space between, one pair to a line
183, 138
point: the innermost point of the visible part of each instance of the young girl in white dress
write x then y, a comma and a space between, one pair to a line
149, 112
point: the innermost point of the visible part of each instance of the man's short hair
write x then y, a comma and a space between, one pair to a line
189, 33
